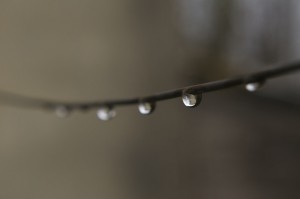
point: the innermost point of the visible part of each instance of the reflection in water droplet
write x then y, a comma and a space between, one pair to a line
106, 113
253, 86
62, 111
146, 108
191, 100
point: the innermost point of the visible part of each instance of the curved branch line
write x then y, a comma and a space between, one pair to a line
29, 102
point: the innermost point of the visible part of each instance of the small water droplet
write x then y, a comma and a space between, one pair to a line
191, 100
62, 111
146, 108
106, 113
253, 86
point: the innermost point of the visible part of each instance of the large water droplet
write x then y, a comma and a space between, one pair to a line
106, 113
146, 108
62, 111
253, 86
191, 100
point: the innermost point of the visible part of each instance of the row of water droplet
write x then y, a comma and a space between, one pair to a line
145, 108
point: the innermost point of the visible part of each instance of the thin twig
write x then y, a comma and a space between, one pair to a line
19, 100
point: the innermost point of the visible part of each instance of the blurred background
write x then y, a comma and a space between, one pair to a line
234, 145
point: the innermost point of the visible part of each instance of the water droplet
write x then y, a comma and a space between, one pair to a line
106, 113
146, 108
191, 100
253, 86
62, 111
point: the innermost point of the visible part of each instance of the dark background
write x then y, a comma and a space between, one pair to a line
234, 145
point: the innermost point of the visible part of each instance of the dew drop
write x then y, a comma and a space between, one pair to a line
191, 100
146, 108
253, 86
106, 113
62, 111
